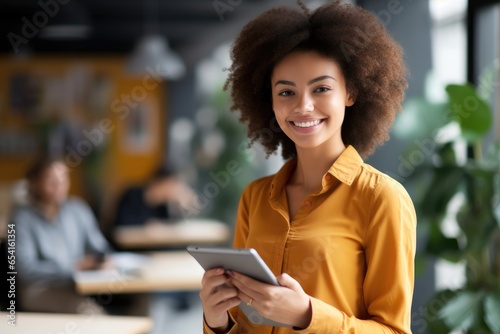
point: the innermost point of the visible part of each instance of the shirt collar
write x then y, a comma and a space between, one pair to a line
345, 169
31, 206
347, 165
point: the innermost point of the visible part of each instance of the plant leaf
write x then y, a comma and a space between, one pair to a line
440, 245
495, 199
447, 154
420, 119
431, 320
463, 311
470, 111
492, 311
476, 217
445, 183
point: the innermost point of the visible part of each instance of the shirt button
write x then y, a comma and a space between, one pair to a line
308, 203
328, 177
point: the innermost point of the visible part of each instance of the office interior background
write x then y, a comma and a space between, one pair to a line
118, 88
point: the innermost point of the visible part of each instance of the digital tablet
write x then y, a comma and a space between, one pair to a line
242, 260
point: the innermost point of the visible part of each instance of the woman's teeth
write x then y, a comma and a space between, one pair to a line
306, 124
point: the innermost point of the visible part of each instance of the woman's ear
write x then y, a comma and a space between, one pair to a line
350, 99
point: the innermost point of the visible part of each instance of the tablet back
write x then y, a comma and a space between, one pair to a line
242, 260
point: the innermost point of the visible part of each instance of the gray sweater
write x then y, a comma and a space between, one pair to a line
47, 252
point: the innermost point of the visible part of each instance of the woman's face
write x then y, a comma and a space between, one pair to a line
309, 99
53, 184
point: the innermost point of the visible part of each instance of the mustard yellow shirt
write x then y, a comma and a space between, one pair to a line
351, 247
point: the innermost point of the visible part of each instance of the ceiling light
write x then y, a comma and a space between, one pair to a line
153, 52
71, 21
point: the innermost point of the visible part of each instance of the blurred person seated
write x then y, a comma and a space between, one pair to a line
56, 235
152, 204
161, 198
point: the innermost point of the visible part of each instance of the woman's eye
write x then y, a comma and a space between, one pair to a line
321, 89
286, 93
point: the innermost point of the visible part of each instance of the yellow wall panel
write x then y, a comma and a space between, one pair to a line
120, 121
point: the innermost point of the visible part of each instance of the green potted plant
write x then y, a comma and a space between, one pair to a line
222, 173
454, 174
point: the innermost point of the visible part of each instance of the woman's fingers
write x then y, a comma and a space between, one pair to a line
216, 288
212, 280
224, 293
224, 304
251, 291
221, 289
217, 272
252, 288
244, 297
287, 302
245, 290
289, 282
217, 297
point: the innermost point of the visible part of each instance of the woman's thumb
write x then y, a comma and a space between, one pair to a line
287, 281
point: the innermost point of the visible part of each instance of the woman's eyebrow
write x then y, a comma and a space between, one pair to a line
323, 77
310, 82
284, 82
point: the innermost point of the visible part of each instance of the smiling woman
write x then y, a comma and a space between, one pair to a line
310, 104
367, 56
338, 234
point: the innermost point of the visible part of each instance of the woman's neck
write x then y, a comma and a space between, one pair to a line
312, 164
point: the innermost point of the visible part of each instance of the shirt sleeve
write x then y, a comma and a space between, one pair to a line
94, 239
232, 330
390, 244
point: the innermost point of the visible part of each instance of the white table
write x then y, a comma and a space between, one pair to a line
55, 323
169, 234
163, 271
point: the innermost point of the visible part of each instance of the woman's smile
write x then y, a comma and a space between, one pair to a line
307, 126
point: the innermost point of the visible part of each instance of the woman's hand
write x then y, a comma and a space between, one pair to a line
217, 297
287, 303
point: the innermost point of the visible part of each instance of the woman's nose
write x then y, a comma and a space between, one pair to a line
304, 104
